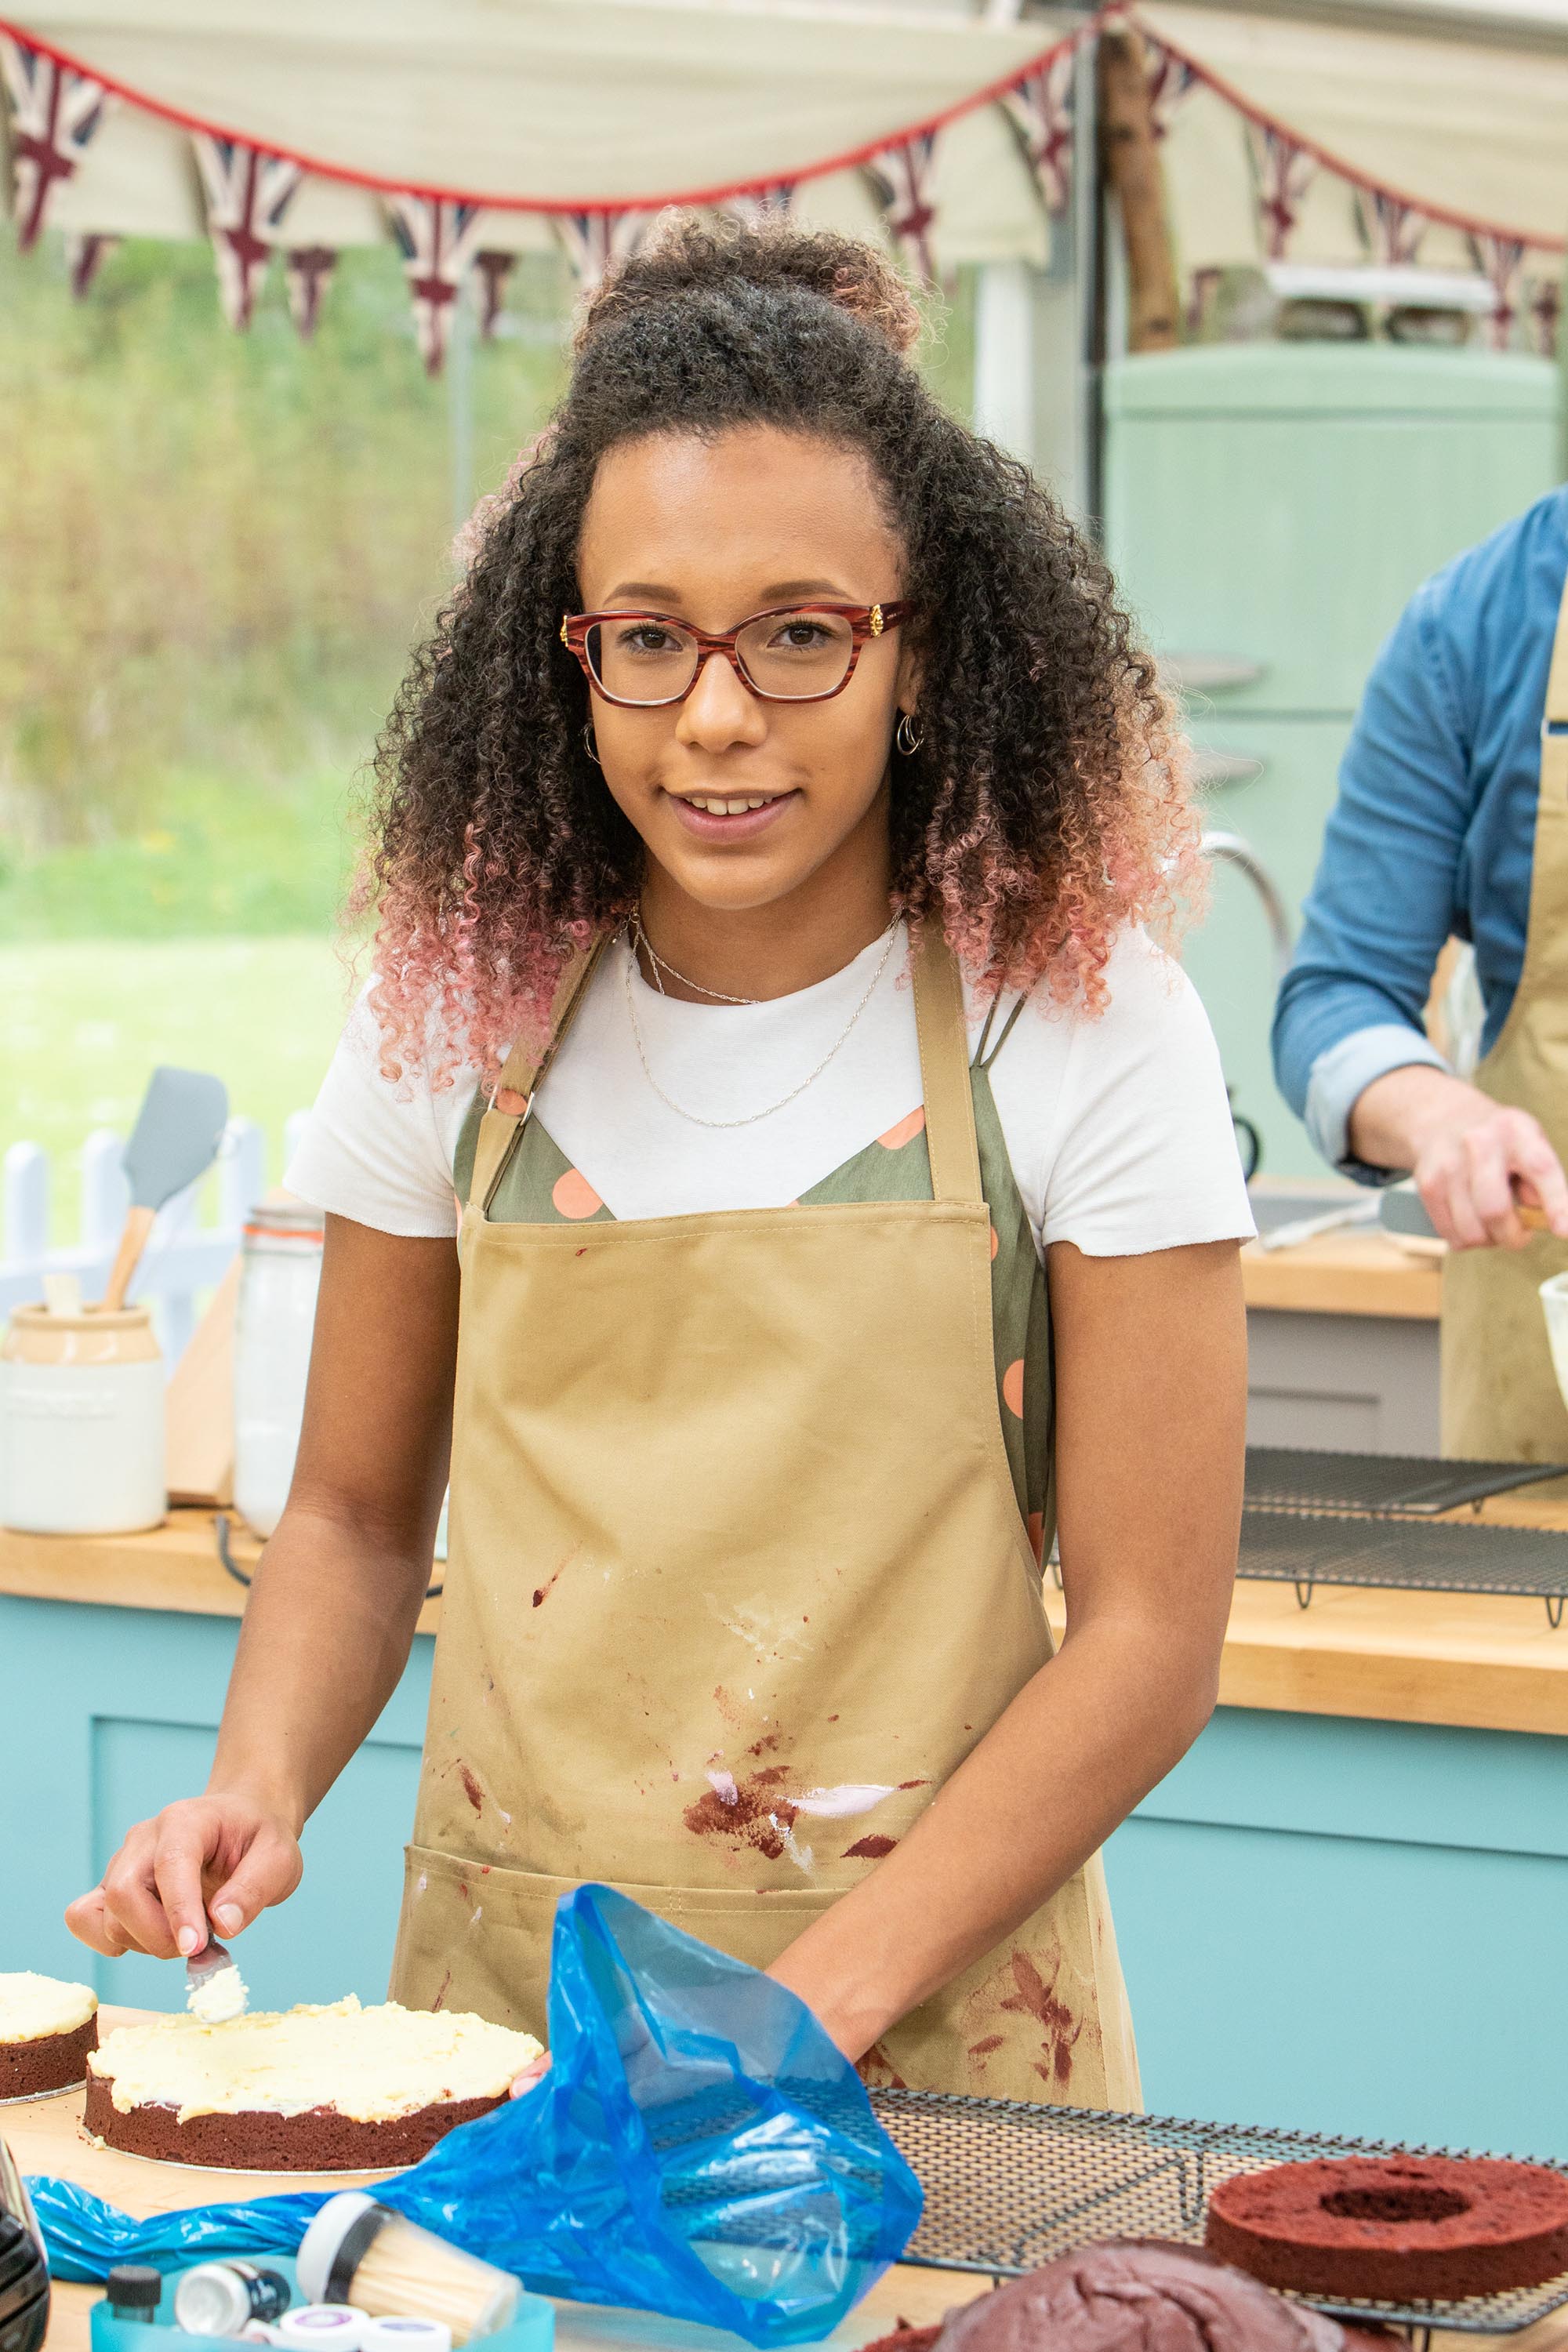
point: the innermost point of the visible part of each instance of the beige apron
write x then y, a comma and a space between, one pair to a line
1500, 1399
737, 1578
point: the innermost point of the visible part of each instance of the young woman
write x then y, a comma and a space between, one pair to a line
846, 1200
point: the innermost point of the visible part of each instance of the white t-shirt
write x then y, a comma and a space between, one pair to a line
1116, 1124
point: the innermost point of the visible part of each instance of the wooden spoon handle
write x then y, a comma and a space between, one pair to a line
128, 1256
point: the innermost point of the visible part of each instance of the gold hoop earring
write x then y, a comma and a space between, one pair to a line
589, 745
908, 735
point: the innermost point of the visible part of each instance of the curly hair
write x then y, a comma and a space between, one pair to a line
1047, 805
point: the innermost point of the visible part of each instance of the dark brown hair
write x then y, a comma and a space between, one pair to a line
1046, 806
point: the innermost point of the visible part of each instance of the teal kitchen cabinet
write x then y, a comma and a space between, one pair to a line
1269, 508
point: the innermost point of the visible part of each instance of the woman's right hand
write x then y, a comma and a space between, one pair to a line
218, 1857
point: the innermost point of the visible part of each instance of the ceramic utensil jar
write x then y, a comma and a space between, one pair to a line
275, 1317
81, 1422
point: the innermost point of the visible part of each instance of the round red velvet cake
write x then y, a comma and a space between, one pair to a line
1135, 2295
47, 2029
336, 2089
1394, 2229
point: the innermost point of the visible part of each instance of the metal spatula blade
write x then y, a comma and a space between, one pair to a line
175, 1139
215, 1990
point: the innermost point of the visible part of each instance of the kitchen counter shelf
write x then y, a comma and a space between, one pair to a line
1481, 1661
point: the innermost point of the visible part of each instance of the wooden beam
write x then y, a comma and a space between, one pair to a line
1129, 168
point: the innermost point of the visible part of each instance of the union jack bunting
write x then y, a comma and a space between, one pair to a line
1284, 172
772, 203
1041, 109
55, 111
593, 240
1545, 308
85, 257
308, 269
900, 179
494, 269
436, 240
248, 192
1501, 258
1170, 79
1394, 228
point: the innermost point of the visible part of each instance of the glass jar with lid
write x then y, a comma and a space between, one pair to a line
280, 1274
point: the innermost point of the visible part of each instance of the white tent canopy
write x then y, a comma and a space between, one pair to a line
631, 102
1451, 119
1461, 110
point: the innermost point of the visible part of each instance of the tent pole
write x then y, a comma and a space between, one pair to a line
1089, 203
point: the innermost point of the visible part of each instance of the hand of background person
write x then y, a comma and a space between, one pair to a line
223, 1858
1473, 1160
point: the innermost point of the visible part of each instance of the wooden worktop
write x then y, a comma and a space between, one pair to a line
1491, 1665
46, 2135
1343, 1273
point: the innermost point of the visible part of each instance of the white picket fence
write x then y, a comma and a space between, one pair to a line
183, 1258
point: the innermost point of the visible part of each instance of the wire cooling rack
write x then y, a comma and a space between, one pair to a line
1311, 1548
1008, 2186
1281, 1477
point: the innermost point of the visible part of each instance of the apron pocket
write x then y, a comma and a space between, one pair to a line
476, 1935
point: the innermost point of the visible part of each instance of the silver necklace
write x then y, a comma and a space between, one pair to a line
752, 1116
641, 939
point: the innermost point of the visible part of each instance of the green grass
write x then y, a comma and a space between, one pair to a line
87, 1020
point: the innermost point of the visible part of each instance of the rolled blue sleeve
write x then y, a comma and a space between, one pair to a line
1383, 900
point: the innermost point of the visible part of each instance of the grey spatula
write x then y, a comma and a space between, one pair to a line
174, 1140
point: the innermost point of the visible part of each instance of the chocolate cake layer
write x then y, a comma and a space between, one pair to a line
1396, 2228
318, 2140
50, 2062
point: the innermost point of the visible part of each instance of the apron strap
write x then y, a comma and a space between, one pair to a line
1554, 719
944, 1070
520, 1081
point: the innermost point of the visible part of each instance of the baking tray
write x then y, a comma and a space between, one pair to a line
1009, 2186
1311, 1548
1281, 1477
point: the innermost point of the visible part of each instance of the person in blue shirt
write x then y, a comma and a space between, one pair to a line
1452, 820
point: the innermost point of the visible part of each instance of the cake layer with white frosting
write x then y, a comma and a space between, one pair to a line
32, 2007
371, 2065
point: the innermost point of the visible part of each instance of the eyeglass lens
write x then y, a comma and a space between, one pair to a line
789, 657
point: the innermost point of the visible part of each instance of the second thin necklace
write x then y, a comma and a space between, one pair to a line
750, 1117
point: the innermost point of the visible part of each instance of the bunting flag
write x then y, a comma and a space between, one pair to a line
248, 192
900, 178
494, 269
1545, 308
1499, 259
85, 257
593, 240
436, 240
1394, 227
772, 203
1170, 79
1041, 109
310, 273
55, 111
1283, 172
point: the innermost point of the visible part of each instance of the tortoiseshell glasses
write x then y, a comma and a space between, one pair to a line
793, 653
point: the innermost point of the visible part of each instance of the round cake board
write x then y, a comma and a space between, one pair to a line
25, 2098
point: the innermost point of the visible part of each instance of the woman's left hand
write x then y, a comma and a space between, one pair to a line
532, 2075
